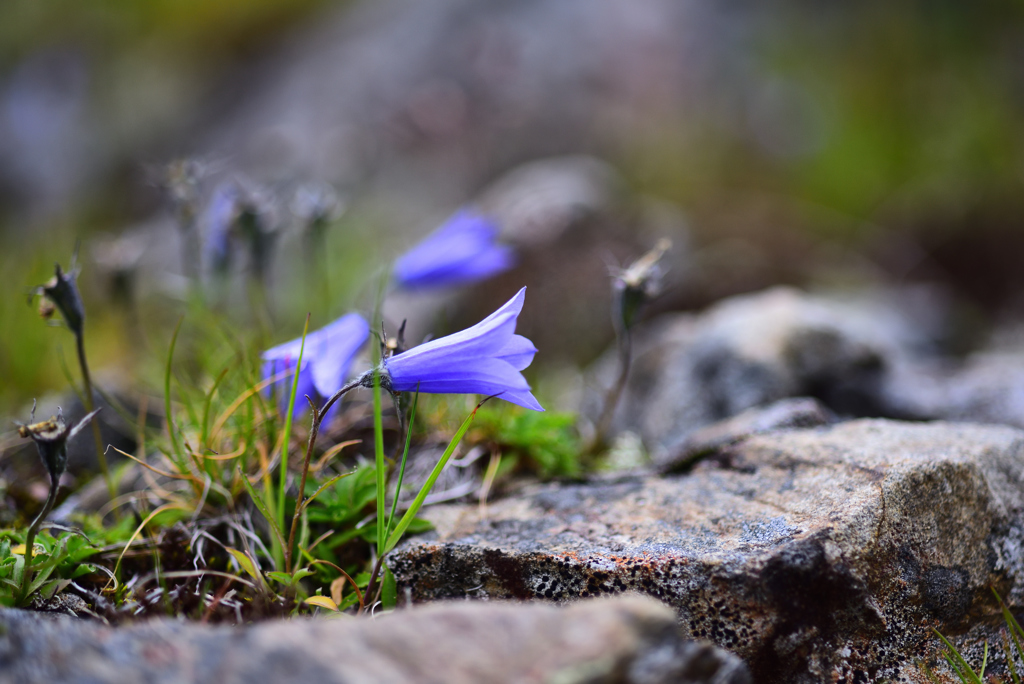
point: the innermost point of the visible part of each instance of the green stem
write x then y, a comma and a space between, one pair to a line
378, 443
101, 457
30, 538
624, 338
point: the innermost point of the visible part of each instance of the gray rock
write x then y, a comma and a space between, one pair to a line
820, 554
859, 356
626, 640
800, 412
986, 387
693, 370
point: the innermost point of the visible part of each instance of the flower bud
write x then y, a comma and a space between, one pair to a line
62, 291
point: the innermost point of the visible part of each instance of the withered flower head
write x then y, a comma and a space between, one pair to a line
62, 292
640, 282
52, 437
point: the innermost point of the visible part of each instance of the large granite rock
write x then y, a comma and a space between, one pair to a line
631, 640
820, 554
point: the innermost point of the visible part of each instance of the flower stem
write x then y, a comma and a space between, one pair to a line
101, 456
300, 499
30, 538
624, 338
378, 443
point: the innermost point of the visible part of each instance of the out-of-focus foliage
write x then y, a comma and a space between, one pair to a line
898, 111
58, 561
546, 444
194, 28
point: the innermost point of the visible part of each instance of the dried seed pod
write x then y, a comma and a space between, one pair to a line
62, 291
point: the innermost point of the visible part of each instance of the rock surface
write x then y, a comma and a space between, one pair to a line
693, 370
870, 356
821, 554
626, 640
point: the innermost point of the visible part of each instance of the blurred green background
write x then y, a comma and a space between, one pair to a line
890, 130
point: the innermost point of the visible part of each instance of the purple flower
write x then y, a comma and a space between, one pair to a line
325, 362
483, 359
462, 250
220, 216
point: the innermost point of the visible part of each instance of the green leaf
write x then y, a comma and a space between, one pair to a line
290, 579
546, 443
414, 508
301, 574
389, 591
83, 569
348, 601
310, 499
245, 562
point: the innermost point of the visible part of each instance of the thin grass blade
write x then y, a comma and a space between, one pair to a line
405, 455
204, 439
324, 486
138, 530
282, 481
958, 663
414, 508
175, 447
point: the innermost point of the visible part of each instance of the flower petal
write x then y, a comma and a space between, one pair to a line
474, 376
464, 264
522, 398
519, 352
330, 353
305, 387
486, 338
461, 250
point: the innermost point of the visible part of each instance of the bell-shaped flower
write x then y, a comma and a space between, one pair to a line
326, 360
484, 359
462, 250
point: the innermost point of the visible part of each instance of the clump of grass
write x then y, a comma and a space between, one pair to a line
965, 672
546, 445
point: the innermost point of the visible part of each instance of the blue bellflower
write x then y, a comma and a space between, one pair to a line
484, 359
325, 362
219, 217
462, 250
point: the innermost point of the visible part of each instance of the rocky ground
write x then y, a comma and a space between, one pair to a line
624, 640
772, 521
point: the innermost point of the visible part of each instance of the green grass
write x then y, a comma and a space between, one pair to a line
965, 672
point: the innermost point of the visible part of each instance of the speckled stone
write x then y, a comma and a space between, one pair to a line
627, 640
817, 555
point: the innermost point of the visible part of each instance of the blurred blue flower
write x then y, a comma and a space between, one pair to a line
325, 362
483, 359
462, 250
220, 216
